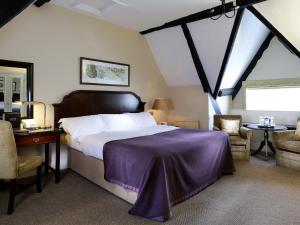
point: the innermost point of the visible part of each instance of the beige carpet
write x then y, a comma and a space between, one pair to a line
258, 194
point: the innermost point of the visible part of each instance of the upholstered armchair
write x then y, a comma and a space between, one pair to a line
12, 166
240, 141
287, 148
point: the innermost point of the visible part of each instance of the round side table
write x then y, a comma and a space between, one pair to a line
266, 143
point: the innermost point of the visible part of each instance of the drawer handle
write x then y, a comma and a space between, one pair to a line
35, 140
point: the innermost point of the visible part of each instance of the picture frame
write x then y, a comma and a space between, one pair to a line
101, 72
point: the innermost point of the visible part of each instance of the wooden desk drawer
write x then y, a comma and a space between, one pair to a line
35, 139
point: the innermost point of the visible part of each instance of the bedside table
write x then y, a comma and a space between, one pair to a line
38, 137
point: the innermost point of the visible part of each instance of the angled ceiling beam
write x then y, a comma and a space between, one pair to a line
199, 67
252, 64
280, 36
208, 13
196, 59
10, 9
229, 48
40, 3
225, 92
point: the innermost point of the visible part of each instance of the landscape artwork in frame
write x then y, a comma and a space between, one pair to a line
99, 72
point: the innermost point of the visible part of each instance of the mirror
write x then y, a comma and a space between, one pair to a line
16, 84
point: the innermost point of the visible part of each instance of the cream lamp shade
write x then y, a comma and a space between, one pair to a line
37, 103
160, 104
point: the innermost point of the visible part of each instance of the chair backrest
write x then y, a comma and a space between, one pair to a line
8, 151
217, 119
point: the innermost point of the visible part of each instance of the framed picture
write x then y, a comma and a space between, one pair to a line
99, 72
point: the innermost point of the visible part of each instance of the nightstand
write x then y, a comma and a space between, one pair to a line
38, 137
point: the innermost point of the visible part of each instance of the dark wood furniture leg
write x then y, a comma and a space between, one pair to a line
12, 194
271, 147
260, 148
39, 179
47, 158
2, 185
57, 163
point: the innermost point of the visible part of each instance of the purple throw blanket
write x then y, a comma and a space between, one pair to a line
167, 168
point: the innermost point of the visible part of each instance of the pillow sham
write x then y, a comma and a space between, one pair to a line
230, 126
118, 122
297, 132
83, 125
142, 119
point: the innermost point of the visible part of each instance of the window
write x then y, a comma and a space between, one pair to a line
273, 98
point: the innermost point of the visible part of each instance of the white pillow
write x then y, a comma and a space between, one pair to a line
118, 122
83, 125
142, 119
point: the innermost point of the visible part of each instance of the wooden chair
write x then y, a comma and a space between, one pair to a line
12, 166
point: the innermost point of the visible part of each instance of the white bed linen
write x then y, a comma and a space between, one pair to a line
92, 145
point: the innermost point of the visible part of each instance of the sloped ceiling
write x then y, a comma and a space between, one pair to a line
211, 38
249, 38
173, 57
283, 64
284, 16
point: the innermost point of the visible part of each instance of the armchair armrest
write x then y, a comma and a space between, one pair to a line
245, 132
283, 135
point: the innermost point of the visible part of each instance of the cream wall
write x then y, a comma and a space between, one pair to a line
54, 38
188, 103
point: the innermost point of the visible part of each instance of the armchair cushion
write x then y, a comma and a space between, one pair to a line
237, 140
28, 163
230, 126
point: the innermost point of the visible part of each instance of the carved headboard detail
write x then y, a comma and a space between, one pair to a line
87, 102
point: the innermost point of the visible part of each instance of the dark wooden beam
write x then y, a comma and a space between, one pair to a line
252, 64
225, 92
10, 9
196, 59
203, 15
40, 3
229, 48
280, 36
199, 67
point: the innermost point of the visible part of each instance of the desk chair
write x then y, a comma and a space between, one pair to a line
12, 166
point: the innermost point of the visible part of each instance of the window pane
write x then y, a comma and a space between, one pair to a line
273, 99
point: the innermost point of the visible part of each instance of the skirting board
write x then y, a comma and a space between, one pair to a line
93, 169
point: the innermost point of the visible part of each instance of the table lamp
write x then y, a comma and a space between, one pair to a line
38, 103
160, 104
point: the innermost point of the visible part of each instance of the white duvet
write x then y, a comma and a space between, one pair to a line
92, 145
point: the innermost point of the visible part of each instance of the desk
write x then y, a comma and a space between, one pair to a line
265, 143
38, 137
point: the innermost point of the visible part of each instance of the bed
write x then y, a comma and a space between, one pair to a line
154, 175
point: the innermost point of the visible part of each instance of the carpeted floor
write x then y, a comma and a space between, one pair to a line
260, 193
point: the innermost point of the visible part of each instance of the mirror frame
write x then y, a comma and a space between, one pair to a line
29, 68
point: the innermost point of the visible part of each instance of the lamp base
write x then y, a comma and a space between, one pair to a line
45, 127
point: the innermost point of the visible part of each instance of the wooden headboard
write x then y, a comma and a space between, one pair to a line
87, 102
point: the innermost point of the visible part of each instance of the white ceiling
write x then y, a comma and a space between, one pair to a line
139, 14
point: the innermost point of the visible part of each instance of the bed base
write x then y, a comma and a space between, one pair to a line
93, 169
